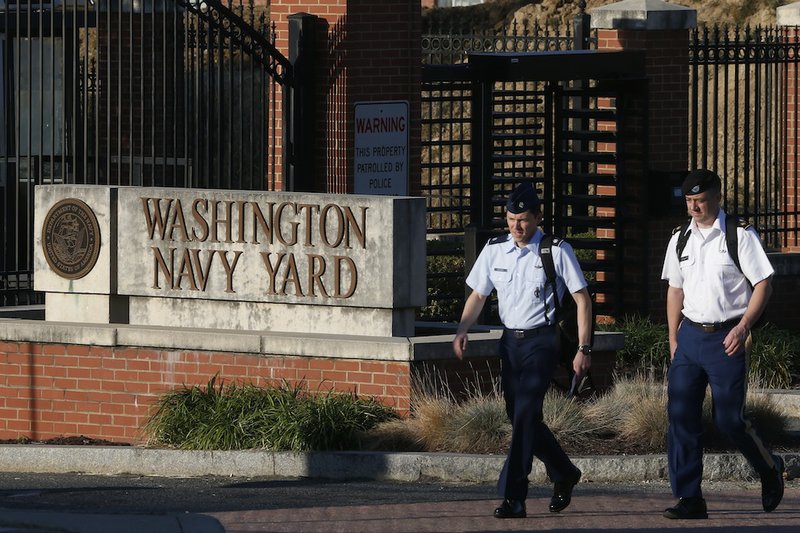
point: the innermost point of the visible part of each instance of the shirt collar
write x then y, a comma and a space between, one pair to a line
533, 244
718, 224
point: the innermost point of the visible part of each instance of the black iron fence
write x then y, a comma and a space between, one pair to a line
446, 110
448, 139
740, 98
738, 121
174, 93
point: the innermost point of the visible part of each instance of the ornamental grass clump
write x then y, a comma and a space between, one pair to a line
222, 416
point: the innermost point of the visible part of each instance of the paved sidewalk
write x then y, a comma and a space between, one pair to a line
729, 511
614, 494
593, 509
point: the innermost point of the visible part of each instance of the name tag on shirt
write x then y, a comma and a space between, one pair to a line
500, 269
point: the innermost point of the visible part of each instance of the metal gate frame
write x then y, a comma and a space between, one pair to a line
581, 104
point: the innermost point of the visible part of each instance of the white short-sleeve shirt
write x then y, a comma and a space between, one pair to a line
714, 290
519, 278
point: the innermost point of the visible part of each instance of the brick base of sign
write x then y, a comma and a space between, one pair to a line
52, 390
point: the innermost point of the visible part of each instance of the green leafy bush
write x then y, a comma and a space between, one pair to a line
232, 417
445, 268
774, 359
646, 345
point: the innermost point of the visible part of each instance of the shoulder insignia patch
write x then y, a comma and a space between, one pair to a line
499, 239
676, 229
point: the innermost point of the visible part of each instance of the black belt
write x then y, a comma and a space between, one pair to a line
713, 326
527, 333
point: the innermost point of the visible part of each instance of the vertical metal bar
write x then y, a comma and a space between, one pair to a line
153, 109
212, 121
732, 205
177, 95
189, 122
132, 180
108, 90
726, 104
694, 100
120, 81
758, 176
83, 33
165, 123
747, 125
703, 119
552, 152
139, 153
715, 107
200, 128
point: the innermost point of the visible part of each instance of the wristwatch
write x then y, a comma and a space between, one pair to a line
585, 349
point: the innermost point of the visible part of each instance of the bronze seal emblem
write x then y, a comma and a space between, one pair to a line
71, 238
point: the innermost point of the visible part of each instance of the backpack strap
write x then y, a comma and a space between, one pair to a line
546, 253
732, 223
683, 237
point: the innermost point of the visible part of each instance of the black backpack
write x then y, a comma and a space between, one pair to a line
731, 237
566, 312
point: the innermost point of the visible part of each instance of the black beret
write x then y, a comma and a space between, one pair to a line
699, 181
522, 199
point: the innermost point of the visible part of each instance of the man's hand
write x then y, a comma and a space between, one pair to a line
735, 340
581, 364
460, 345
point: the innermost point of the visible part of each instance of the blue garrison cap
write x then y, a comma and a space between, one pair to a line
699, 181
522, 199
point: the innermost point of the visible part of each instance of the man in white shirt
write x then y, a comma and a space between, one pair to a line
711, 306
511, 264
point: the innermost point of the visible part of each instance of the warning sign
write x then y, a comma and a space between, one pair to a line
381, 148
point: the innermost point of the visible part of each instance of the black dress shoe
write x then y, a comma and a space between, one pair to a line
772, 486
688, 509
562, 492
511, 509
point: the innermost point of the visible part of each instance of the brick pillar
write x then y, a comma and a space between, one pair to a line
367, 51
789, 18
661, 30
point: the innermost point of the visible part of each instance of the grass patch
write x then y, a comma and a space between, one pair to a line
629, 418
233, 417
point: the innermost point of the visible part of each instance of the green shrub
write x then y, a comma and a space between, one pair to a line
774, 360
646, 346
232, 417
445, 269
775, 357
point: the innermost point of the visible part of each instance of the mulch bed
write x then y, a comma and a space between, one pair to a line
80, 440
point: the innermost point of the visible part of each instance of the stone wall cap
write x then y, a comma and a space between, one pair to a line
788, 15
643, 15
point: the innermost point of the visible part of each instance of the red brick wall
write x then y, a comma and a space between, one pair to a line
50, 390
368, 51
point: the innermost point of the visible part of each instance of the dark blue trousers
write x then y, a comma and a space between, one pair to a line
528, 366
700, 360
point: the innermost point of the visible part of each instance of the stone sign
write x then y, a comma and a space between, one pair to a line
234, 259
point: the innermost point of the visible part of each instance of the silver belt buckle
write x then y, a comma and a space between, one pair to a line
519, 333
709, 328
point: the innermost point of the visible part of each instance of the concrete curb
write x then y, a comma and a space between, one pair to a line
446, 467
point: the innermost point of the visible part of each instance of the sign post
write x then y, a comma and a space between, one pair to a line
381, 148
